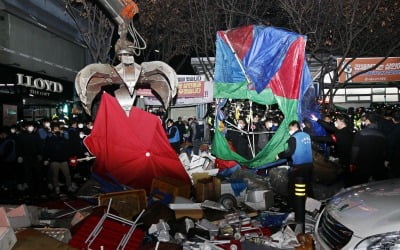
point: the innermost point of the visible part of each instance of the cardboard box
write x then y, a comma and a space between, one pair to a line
208, 189
191, 213
127, 203
7, 235
192, 210
168, 185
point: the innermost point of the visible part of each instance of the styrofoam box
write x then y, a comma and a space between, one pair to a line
7, 235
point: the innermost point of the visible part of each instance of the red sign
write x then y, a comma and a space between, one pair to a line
387, 71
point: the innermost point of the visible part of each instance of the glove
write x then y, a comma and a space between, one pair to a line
277, 157
73, 161
314, 117
352, 168
20, 159
46, 162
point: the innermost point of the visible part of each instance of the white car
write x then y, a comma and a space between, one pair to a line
361, 217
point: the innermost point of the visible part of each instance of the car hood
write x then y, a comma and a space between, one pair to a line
368, 209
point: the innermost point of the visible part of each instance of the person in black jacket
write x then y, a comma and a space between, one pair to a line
181, 127
341, 135
393, 147
369, 152
239, 139
57, 151
29, 154
8, 160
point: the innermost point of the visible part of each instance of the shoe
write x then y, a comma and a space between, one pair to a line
50, 186
20, 187
57, 190
25, 186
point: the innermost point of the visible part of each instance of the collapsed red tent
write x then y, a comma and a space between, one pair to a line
133, 149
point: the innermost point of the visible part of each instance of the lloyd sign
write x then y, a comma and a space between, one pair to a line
39, 84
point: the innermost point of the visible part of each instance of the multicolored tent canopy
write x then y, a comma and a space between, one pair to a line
265, 65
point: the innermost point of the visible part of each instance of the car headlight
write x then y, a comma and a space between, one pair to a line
381, 241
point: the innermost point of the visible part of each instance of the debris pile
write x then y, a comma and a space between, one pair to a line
241, 212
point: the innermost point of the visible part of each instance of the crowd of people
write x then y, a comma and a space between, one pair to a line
33, 155
183, 133
364, 143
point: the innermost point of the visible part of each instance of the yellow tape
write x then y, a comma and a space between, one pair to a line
300, 194
300, 189
300, 185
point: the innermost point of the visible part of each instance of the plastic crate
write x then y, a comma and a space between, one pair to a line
127, 203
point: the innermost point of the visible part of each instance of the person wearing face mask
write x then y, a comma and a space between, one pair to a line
341, 136
173, 135
368, 152
88, 128
14, 132
275, 124
239, 139
29, 155
256, 127
264, 138
45, 130
80, 125
73, 128
300, 159
81, 172
57, 151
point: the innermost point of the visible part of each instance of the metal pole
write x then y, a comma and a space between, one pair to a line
237, 58
300, 204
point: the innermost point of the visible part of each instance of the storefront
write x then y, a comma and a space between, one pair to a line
31, 96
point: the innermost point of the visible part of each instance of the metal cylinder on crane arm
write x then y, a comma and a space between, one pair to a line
122, 11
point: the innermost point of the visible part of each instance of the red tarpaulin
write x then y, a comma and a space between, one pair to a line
133, 149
